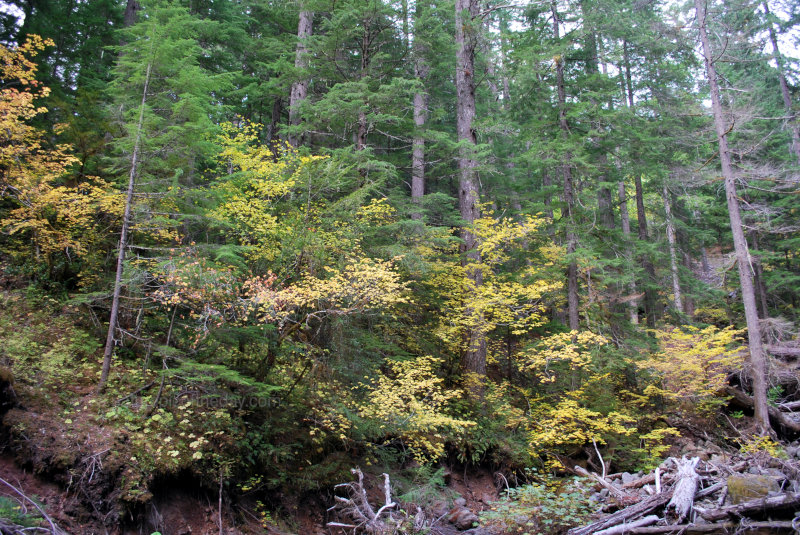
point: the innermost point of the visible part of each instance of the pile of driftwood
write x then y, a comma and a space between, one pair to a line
735, 495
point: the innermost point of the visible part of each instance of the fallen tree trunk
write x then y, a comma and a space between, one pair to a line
772, 503
721, 527
790, 406
623, 515
782, 351
626, 528
685, 489
775, 415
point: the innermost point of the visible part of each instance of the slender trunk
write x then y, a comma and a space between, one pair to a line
688, 300
787, 99
547, 181
625, 220
673, 255
758, 278
569, 189
758, 357
272, 130
468, 189
123, 240
299, 90
418, 150
421, 71
363, 128
628, 80
647, 265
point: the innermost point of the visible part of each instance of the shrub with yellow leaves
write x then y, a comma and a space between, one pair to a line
411, 403
693, 365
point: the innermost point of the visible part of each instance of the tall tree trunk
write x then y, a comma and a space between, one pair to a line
569, 188
647, 265
123, 240
300, 87
625, 220
673, 255
758, 358
641, 216
132, 8
468, 189
787, 99
421, 71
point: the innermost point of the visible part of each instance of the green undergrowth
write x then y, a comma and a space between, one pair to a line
267, 416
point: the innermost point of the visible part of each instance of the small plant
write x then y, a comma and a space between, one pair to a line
549, 506
737, 415
766, 445
774, 394
12, 511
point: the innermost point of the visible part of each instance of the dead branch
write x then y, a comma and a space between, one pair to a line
54, 530
771, 503
720, 527
774, 413
623, 515
626, 528
613, 489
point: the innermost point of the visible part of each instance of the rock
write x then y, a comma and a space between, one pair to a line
742, 488
439, 508
460, 502
487, 498
627, 478
462, 518
791, 451
478, 531
603, 493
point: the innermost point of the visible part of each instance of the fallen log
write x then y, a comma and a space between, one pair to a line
710, 490
790, 406
685, 488
629, 513
771, 503
721, 527
626, 528
646, 480
774, 413
613, 489
782, 350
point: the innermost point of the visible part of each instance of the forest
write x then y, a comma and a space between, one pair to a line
399, 266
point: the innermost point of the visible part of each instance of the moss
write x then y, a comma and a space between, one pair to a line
742, 488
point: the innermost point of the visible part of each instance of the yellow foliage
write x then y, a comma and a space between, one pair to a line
569, 424
572, 348
411, 402
263, 178
363, 285
694, 364
55, 218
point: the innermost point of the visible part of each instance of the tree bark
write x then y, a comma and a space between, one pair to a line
132, 8
685, 487
299, 90
649, 269
625, 220
673, 255
787, 99
757, 355
123, 240
421, 71
474, 359
569, 188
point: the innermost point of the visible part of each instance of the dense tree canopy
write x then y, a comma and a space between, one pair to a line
465, 228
